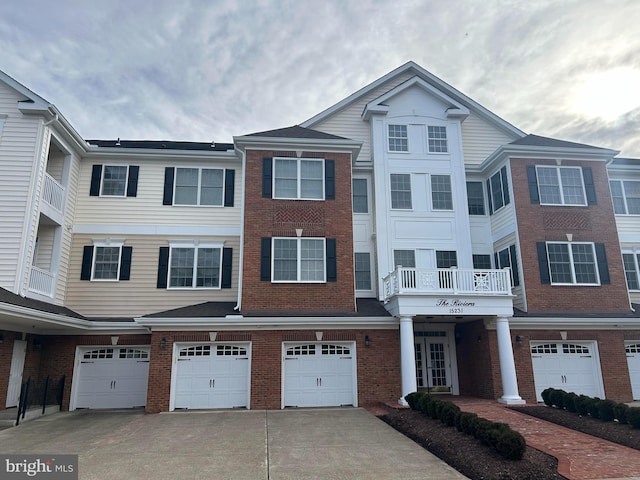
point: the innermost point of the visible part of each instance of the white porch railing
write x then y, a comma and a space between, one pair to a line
42, 282
53, 193
442, 281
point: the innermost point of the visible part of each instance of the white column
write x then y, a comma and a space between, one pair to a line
407, 358
510, 394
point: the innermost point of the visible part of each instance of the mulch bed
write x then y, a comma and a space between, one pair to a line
612, 431
467, 454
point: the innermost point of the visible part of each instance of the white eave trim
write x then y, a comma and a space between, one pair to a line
241, 323
95, 152
340, 144
584, 323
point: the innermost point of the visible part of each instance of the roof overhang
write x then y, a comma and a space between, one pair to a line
577, 323
94, 152
247, 142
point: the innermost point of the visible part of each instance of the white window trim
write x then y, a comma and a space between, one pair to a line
391, 207
573, 269
624, 196
298, 179
366, 180
484, 199
195, 245
562, 203
433, 208
126, 182
504, 202
371, 277
389, 138
298, 259
101, 244
446, 139
175, 185
634, 252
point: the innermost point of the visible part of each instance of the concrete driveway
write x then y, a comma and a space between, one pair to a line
347, 443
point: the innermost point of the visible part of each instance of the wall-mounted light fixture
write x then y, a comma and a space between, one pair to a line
367, 341
518, 340
163, 343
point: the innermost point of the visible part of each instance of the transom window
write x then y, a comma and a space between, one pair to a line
573, 348
363, 271
298, 178
561, 185
302, 350
437, 139
631, 262
299, 260
626, 196
572, 263
398, 138
100, 353
133, 353
546, 348
401, 191
475, 198
329, 349
196, 351
360, 196
230, 351
199, 186
441, 195
114, 180
195, 267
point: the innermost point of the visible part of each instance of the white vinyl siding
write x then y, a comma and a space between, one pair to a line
140, 295
480, 139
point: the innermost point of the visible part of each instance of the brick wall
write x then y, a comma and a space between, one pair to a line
265, 217
478, 361
378, 366
593, 223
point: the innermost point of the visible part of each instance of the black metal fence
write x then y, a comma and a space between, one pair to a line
40, 393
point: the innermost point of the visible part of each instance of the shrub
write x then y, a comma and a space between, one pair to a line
582, 404
570, 402
511, 445
413, 399
466, 422
633, 417
594, 407
546, 396
448, 412
557, 398
424, 402
605, 410
620, 410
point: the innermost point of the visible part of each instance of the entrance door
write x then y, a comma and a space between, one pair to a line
433, 369
15, 374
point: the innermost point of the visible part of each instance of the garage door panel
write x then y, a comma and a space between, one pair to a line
632, 350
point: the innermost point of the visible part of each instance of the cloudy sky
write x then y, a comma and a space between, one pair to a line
207, 70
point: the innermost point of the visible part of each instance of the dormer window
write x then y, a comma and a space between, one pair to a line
398, 138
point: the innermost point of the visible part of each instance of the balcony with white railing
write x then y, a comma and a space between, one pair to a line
53, 196
42, 282
434, 291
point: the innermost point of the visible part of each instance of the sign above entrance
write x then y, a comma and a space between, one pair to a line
412, 305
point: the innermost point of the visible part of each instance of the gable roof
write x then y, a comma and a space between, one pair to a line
31, 97
296, 131
429, 78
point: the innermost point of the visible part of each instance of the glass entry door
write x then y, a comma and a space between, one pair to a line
433, 371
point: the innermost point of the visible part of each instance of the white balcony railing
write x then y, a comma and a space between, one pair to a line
42, 282
53, 193
446, 281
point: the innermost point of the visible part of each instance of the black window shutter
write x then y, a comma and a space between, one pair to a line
329, 179
332, 270
532, 180
96, 176
505, 185
125, 263
265, 259
87, 262
227, 258
489, 197
543, 265
167, 197
603, 266
514, 265
267, 177
229, 187
132, 183
163, 267
589, 186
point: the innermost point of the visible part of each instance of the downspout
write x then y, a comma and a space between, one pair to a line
29, 225
238, 306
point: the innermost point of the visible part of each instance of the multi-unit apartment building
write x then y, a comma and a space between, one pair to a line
405, 238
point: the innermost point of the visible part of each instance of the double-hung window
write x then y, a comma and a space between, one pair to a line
398, 138
561, 185
298, 178
199, 186
106, 260
363, 271
572, 263
437, 139
360, 196
475, 198
507, 258
631, 263
114, 180
441, 196
404, 258
299, 260
401, 191
446, 258
626, 196
195, 266
498, 190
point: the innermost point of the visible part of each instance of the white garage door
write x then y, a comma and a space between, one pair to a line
572, 367
633, 360
319, 375
113, 377
211, 376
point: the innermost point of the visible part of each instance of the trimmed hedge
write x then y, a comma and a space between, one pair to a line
605, 410
506, 441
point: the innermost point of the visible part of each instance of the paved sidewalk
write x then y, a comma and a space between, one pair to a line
580, 456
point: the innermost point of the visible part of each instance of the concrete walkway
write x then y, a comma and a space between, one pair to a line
580, 456
347, 443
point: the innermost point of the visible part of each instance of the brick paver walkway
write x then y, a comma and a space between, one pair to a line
580, 456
